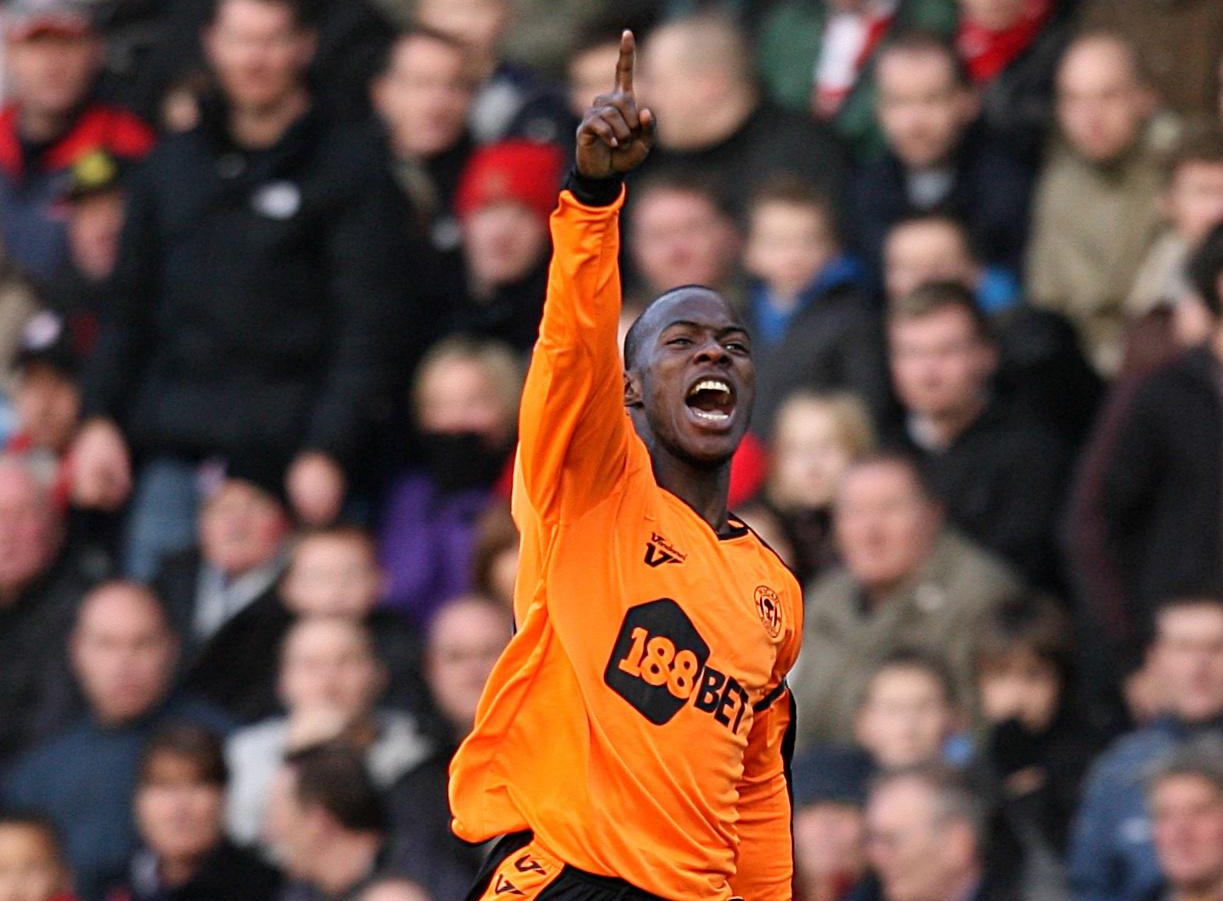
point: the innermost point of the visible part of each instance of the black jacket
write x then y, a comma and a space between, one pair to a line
227, 874
1162, 494
256, 295
991, 193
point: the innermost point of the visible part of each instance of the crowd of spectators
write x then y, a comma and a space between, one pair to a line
270, 276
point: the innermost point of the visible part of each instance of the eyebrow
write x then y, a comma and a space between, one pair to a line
725, 330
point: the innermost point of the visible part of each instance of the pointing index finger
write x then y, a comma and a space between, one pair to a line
624, 65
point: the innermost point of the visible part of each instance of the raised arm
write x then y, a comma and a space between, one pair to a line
573, 428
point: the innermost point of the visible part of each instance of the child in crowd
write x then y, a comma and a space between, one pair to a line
829, 823
911, 713
814, 438
1034, 746
32, 863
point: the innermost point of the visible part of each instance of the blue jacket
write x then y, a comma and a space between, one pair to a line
1111, 857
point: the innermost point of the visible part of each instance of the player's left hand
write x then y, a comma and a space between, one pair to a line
615, 137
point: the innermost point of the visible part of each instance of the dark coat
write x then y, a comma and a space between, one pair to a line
256, 295
1162, 487
227, 874
991, 193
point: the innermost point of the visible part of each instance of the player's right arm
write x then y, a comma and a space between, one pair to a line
573, 429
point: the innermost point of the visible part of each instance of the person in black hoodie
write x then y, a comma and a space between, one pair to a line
179, 811
261, 274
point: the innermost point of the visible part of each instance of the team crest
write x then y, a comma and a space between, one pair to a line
768, 605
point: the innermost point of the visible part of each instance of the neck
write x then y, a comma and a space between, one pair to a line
259, 127
177, 871
43, 126
704, 490
343, 862
945, 427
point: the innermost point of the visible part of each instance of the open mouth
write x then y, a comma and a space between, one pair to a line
711, 400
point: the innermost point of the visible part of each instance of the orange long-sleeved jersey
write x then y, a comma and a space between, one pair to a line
636, 721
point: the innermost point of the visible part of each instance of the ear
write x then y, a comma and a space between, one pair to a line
632, 389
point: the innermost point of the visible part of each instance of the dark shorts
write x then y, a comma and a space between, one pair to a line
518, 870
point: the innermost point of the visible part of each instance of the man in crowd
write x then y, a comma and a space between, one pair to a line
1111, 852
938, 157
41, 584
1096, 207
1000, 475
123, 655
907, 581
53, 55
267, 237
1185, 797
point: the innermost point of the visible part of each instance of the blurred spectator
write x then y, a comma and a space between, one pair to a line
1161, 481
1000, 474
682, 231
221, 594
511, 101
1192, 205
123, 654
47, 396
331, 682
820, 58
1096, 209
1185, 795
32, 863
815, 437
696, 75
465, 398
41, 584
939, 157
592, 53
394, 889
1011, 48
928, 838
18, 302
466, 636
334, 571
1119, 533
179, 805
1179, 45
907, 581
53, 55
829, 825
1036, 746
909, 712
810, 325
423, 95
328, 824
93, 204
1041, 369
495, 554
1111, 852
506, 193
268, 237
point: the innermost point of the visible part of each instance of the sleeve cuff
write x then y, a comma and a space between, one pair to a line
594, 191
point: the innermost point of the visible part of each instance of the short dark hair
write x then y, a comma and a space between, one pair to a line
1201, 756
334, 776
305, 12
795, 190
901, 460
919, 40
1206, 597
1205, 266
1030, 622
956, 796
20, 818
424, 32
199, 746
943, 218
934, 297
686, 181
919, 660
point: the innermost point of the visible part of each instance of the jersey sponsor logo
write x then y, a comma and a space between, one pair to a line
659, 551
659, 663
768, 605
527, 864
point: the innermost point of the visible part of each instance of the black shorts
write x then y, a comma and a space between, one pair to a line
518, 870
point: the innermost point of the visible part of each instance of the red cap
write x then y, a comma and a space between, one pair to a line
521, 171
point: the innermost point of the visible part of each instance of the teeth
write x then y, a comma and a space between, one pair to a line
710, 385
712, 415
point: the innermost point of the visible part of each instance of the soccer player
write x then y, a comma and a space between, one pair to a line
631, 741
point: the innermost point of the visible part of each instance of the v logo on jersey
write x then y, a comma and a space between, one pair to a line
525, 864
504, 886
659, 551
